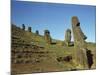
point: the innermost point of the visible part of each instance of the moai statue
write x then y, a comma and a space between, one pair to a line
68, 37
29, 29
47, 36
23, 27
80, 45
37, 32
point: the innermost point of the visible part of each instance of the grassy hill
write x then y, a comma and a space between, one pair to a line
31, 53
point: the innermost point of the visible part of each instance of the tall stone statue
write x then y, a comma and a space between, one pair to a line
47, 36
29, 29
68, 37
37, 32
79, 44
23, 27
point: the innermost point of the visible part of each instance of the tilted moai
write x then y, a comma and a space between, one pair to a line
68, 37
80, 44
37, 32
47, 36
29, 29
23, 27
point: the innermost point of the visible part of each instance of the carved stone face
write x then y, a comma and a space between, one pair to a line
68, 30
47, 32
75, 20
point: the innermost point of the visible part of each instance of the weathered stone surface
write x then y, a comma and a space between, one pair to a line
29, 29
68, 37
47, 36
80, 44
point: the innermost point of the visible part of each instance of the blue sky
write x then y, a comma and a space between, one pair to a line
54, 17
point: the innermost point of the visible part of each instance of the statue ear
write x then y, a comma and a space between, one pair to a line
78, 24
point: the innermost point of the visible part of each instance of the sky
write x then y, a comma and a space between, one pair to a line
54, 17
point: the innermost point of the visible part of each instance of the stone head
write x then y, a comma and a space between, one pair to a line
75, 21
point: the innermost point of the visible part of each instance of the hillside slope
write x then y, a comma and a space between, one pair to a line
30, 53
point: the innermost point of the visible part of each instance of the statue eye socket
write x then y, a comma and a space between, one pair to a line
78, 24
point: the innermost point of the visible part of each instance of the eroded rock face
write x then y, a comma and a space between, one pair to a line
47, 36
89, 58
79, 43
